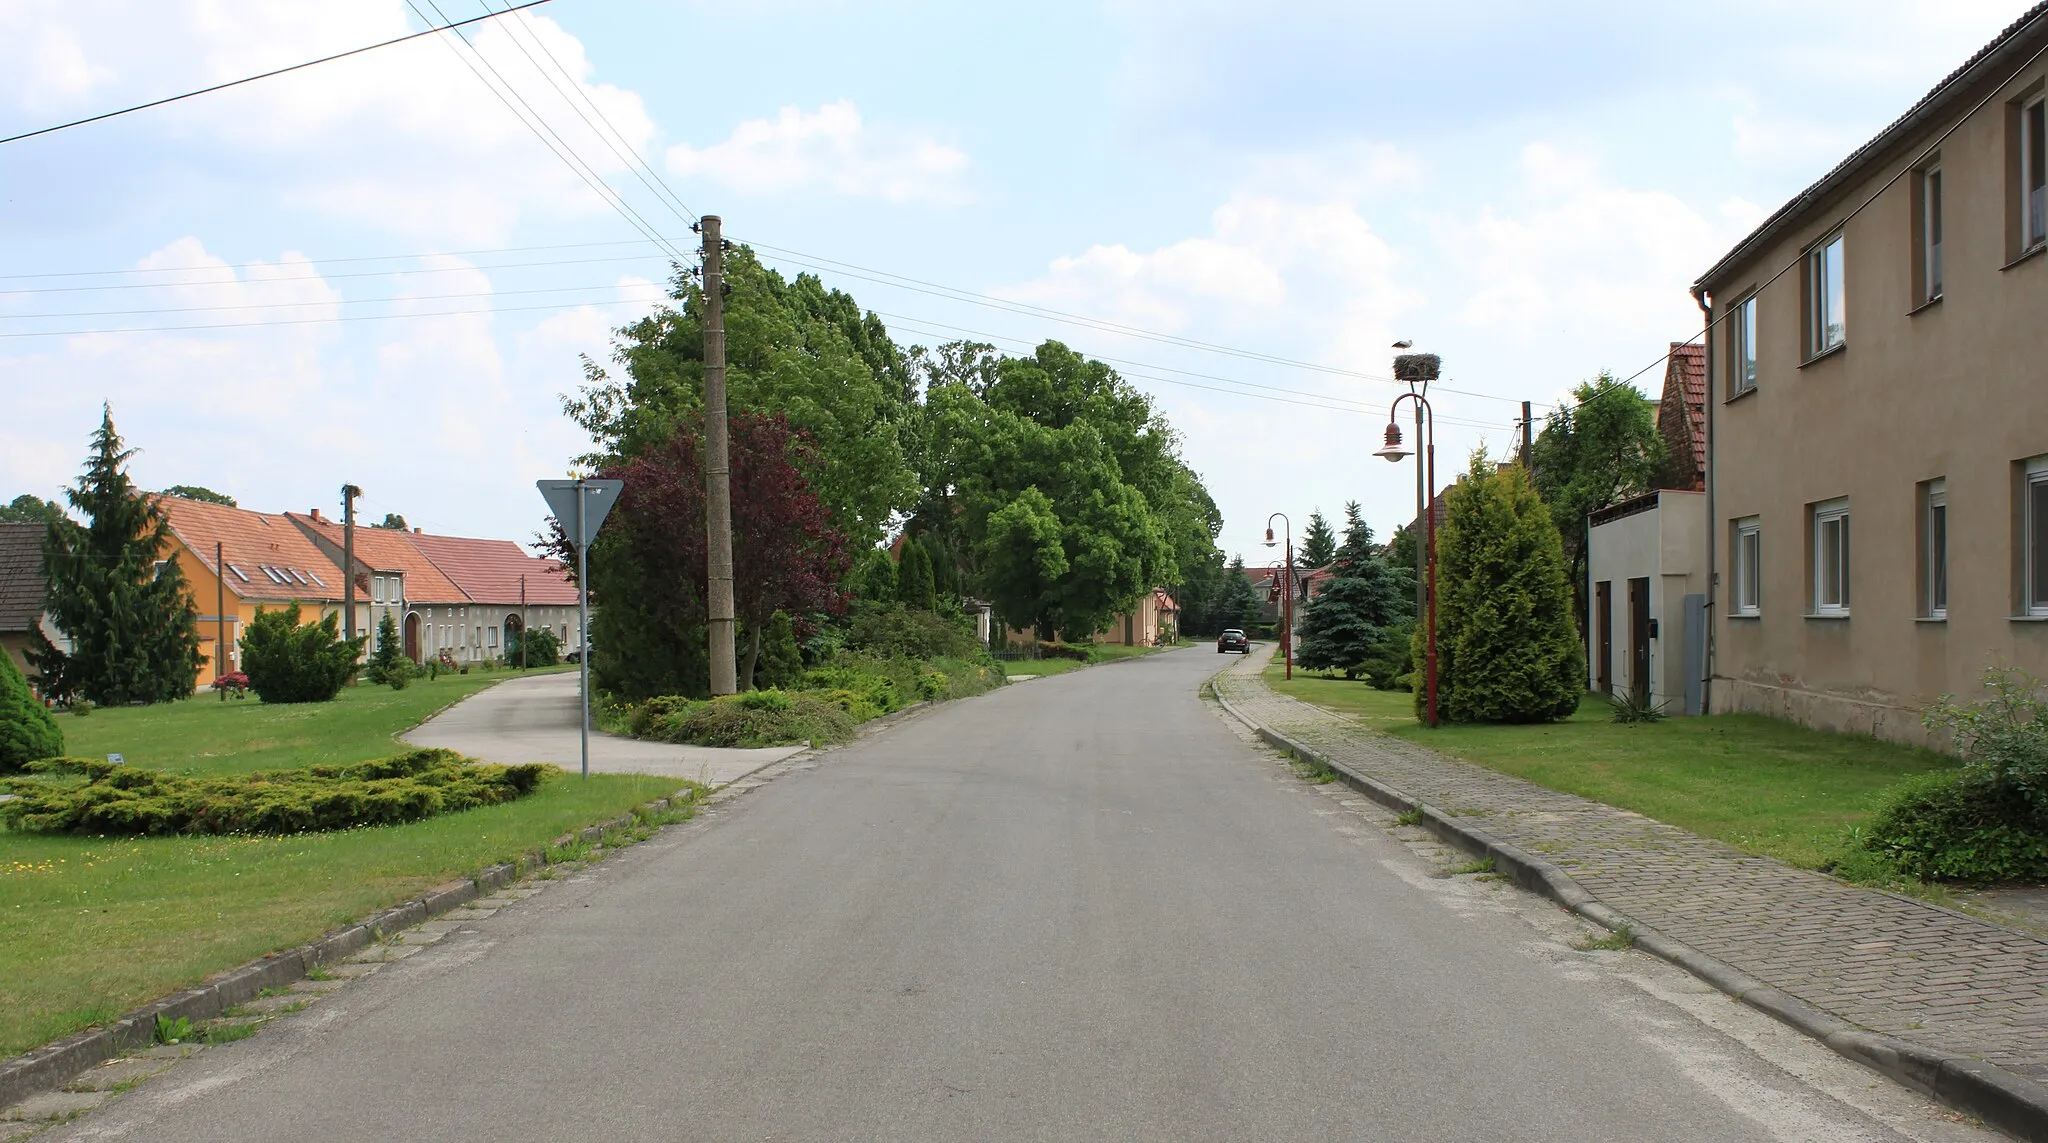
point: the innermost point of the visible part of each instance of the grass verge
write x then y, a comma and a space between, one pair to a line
92, 927
1761, 785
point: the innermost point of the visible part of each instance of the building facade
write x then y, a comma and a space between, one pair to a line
1878, 423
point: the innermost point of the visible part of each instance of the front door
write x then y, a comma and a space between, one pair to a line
1603, 636
1639, 640
412, 637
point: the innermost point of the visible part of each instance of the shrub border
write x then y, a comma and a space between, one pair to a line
52, 1065
2004, 1099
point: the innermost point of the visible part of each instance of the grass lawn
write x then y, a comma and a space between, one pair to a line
92, 927
1097, 653
1759, 784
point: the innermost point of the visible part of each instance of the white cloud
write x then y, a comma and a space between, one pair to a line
831, 150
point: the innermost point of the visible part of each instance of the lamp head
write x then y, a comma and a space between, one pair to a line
1394, 450
1269, 537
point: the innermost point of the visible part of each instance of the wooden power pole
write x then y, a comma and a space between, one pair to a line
349, 492
717, 468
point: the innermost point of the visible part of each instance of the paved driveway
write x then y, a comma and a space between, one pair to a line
1080, 909
534, 719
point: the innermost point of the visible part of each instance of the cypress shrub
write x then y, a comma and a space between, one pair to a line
388, 663
288, 661
781, 663
1506, 647
914, 587
27, 732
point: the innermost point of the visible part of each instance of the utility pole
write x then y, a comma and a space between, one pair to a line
522, 621
717, 467
1528, 441
220, 617
349, 492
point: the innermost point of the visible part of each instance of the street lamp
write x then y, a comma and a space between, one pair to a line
1286, 589
1418, 370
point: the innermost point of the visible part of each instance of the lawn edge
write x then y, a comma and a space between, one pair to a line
55, 1063
2001, 1098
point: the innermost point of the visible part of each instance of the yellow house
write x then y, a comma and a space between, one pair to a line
237, 561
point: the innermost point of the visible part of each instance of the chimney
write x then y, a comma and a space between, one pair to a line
416, 531
315, 513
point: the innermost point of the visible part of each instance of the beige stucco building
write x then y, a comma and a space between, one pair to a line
1878, 416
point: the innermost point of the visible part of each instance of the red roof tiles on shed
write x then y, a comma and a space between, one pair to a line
1682, 415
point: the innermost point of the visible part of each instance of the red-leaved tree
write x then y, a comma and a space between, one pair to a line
786, 556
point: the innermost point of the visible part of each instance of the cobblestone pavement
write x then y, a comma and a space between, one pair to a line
1923, 974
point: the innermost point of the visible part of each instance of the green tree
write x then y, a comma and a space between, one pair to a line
203, 495
542, 648
781, 663
874, 577
793, 348
1024, 561
131, 621
1353, 617
1506, 648
1357, 549
393, 521
945, 566
1598, 451
1318, 542
26, 509
291, 662
914, 587
1237, 598
387, 656
27, 732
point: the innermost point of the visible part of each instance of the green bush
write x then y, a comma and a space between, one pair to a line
731, 720
27, 732
1955, 826
857, 706
131, 800
1987, 821
781, 660
878, 689
543, 649
288, 661
898, 632
931, 685
643, 719
1390, 664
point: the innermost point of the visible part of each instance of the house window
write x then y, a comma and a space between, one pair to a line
1930, 234
1742, 346
2034, 538
2033, 174
1831, 557
1934, 549
1825, 296
376, 589
491, 637
1747, 554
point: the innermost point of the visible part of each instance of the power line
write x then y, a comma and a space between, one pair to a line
268, 74
238, 307
299, 321
234, 266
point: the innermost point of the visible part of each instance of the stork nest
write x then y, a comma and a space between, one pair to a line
1417, 367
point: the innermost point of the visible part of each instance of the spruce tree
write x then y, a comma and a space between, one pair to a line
132, 624
1506, 647
1319, 543
1350, 619
389, 657
1237, 600
27, 732
914, 578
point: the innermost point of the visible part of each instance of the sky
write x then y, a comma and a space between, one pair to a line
388, 270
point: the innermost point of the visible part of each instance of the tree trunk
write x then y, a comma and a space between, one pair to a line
746, 682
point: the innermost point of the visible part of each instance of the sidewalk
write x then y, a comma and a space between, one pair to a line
1941, 981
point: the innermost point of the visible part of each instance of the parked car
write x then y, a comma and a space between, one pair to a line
1233, 640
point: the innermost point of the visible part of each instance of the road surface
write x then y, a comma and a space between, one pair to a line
1081, 908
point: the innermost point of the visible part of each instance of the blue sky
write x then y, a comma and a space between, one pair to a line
1527, 189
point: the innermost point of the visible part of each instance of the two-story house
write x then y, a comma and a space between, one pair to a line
1878, 415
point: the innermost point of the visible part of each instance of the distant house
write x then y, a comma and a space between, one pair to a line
392, 578
1646, 563
22, 593
264, 561
1156, 617
503, 590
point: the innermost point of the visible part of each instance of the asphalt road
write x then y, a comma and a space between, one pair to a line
1080, 908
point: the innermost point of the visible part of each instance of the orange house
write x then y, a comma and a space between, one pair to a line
237, 561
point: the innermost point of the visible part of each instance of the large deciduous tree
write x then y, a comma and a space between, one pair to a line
648, 567
26, 509
1600, 450
115, 592
1506, 648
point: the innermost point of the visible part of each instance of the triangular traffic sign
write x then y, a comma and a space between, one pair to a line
598, 498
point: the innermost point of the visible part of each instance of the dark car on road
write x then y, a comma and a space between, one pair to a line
1233, 640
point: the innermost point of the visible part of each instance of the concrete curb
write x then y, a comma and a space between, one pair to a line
2003, 1099
50, 1066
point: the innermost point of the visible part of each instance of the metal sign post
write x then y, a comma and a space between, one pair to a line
580, 507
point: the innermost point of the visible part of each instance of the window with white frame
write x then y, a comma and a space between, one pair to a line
1930, 234
1827, 295
1742, 345
1831, 557
1934, 551
2034, 535
1747, 557
2033, 173
376, 589
491, 637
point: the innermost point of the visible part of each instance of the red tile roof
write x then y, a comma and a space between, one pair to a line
268, 558
1682, 416
388, 550
489, 571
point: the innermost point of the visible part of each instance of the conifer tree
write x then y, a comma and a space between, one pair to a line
874, 580
27, 732
1319, 542
389, 659
132, 624
945, 569
782, 662
1350, 619
1237, 602
1506, 647
914, 578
